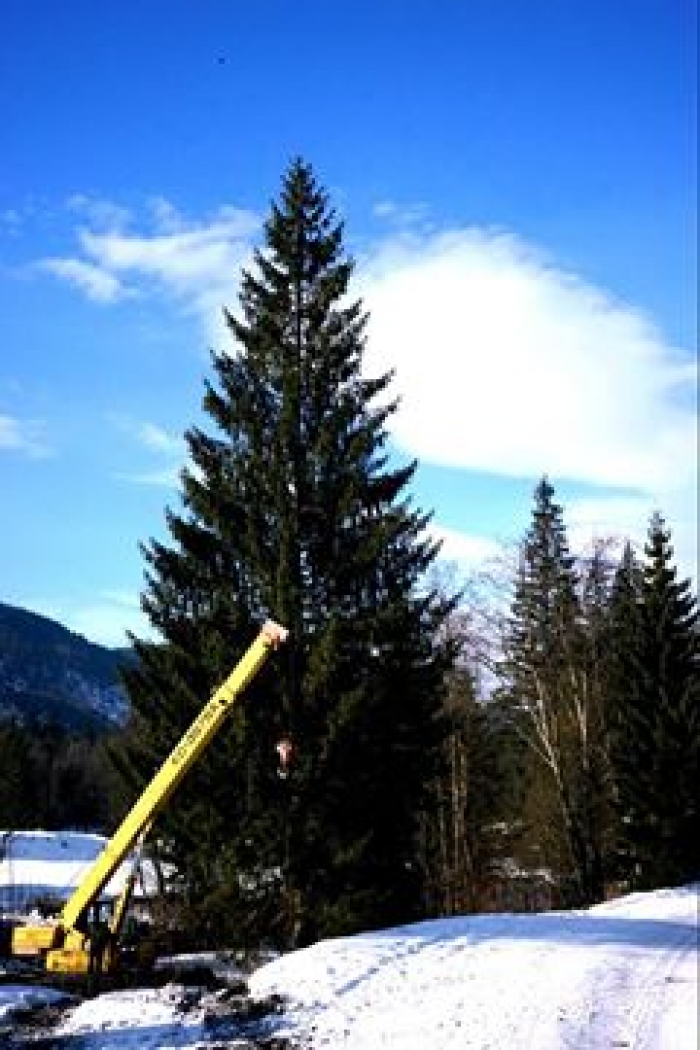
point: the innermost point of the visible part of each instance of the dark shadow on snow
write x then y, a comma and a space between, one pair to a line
584, 927
252, 1025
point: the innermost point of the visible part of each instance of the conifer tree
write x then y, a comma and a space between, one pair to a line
622, 666
656, 707
601, 813
291, 509
552, 687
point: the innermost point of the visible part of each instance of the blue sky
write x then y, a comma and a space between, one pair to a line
518, 184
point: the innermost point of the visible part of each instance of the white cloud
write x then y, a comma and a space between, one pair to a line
124, 598
161, 478
155, 437
468, 552
107, 621
104, 621
166, 216
182, 260
99, 211
504, 363
508, 365
197, 263
623, 519
25, 436
98, 283
407, 218
170, 449
11, 221
384, 209
612, 518
145, 432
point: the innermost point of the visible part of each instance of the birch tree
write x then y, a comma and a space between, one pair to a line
553, 680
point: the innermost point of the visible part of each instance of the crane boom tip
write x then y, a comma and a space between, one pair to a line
274, 633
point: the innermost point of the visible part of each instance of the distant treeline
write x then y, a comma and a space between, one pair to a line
53, 778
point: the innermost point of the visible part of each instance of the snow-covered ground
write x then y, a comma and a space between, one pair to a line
140, 1019
621, 975
624, 974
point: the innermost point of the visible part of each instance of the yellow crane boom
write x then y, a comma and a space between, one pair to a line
66, 942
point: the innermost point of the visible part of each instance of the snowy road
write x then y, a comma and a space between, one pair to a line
624, 974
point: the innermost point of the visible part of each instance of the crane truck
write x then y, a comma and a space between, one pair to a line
67, 944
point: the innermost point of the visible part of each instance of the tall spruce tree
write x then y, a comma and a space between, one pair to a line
656, 708
291, 509
552, 687
622, 669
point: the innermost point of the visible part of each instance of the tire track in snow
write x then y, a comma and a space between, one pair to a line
623, 1000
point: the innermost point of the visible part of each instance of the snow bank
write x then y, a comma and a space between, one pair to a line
142, 1019
18, 998
622, 974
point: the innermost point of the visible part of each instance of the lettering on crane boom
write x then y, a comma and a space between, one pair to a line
192, 736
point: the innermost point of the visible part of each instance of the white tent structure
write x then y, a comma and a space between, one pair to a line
36, 865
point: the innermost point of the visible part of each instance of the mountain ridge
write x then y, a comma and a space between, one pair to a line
51, 674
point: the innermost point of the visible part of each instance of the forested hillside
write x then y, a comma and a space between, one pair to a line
52, 676
61, 701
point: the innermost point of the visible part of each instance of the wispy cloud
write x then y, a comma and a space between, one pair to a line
169, 449
623, 519
404, 217
468, 552
167, 477
185, 261
104, 621
10, 221
102, 213
153, 436
96, 282
612, 518
107, 620
23, 436
384, 209
197, 263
